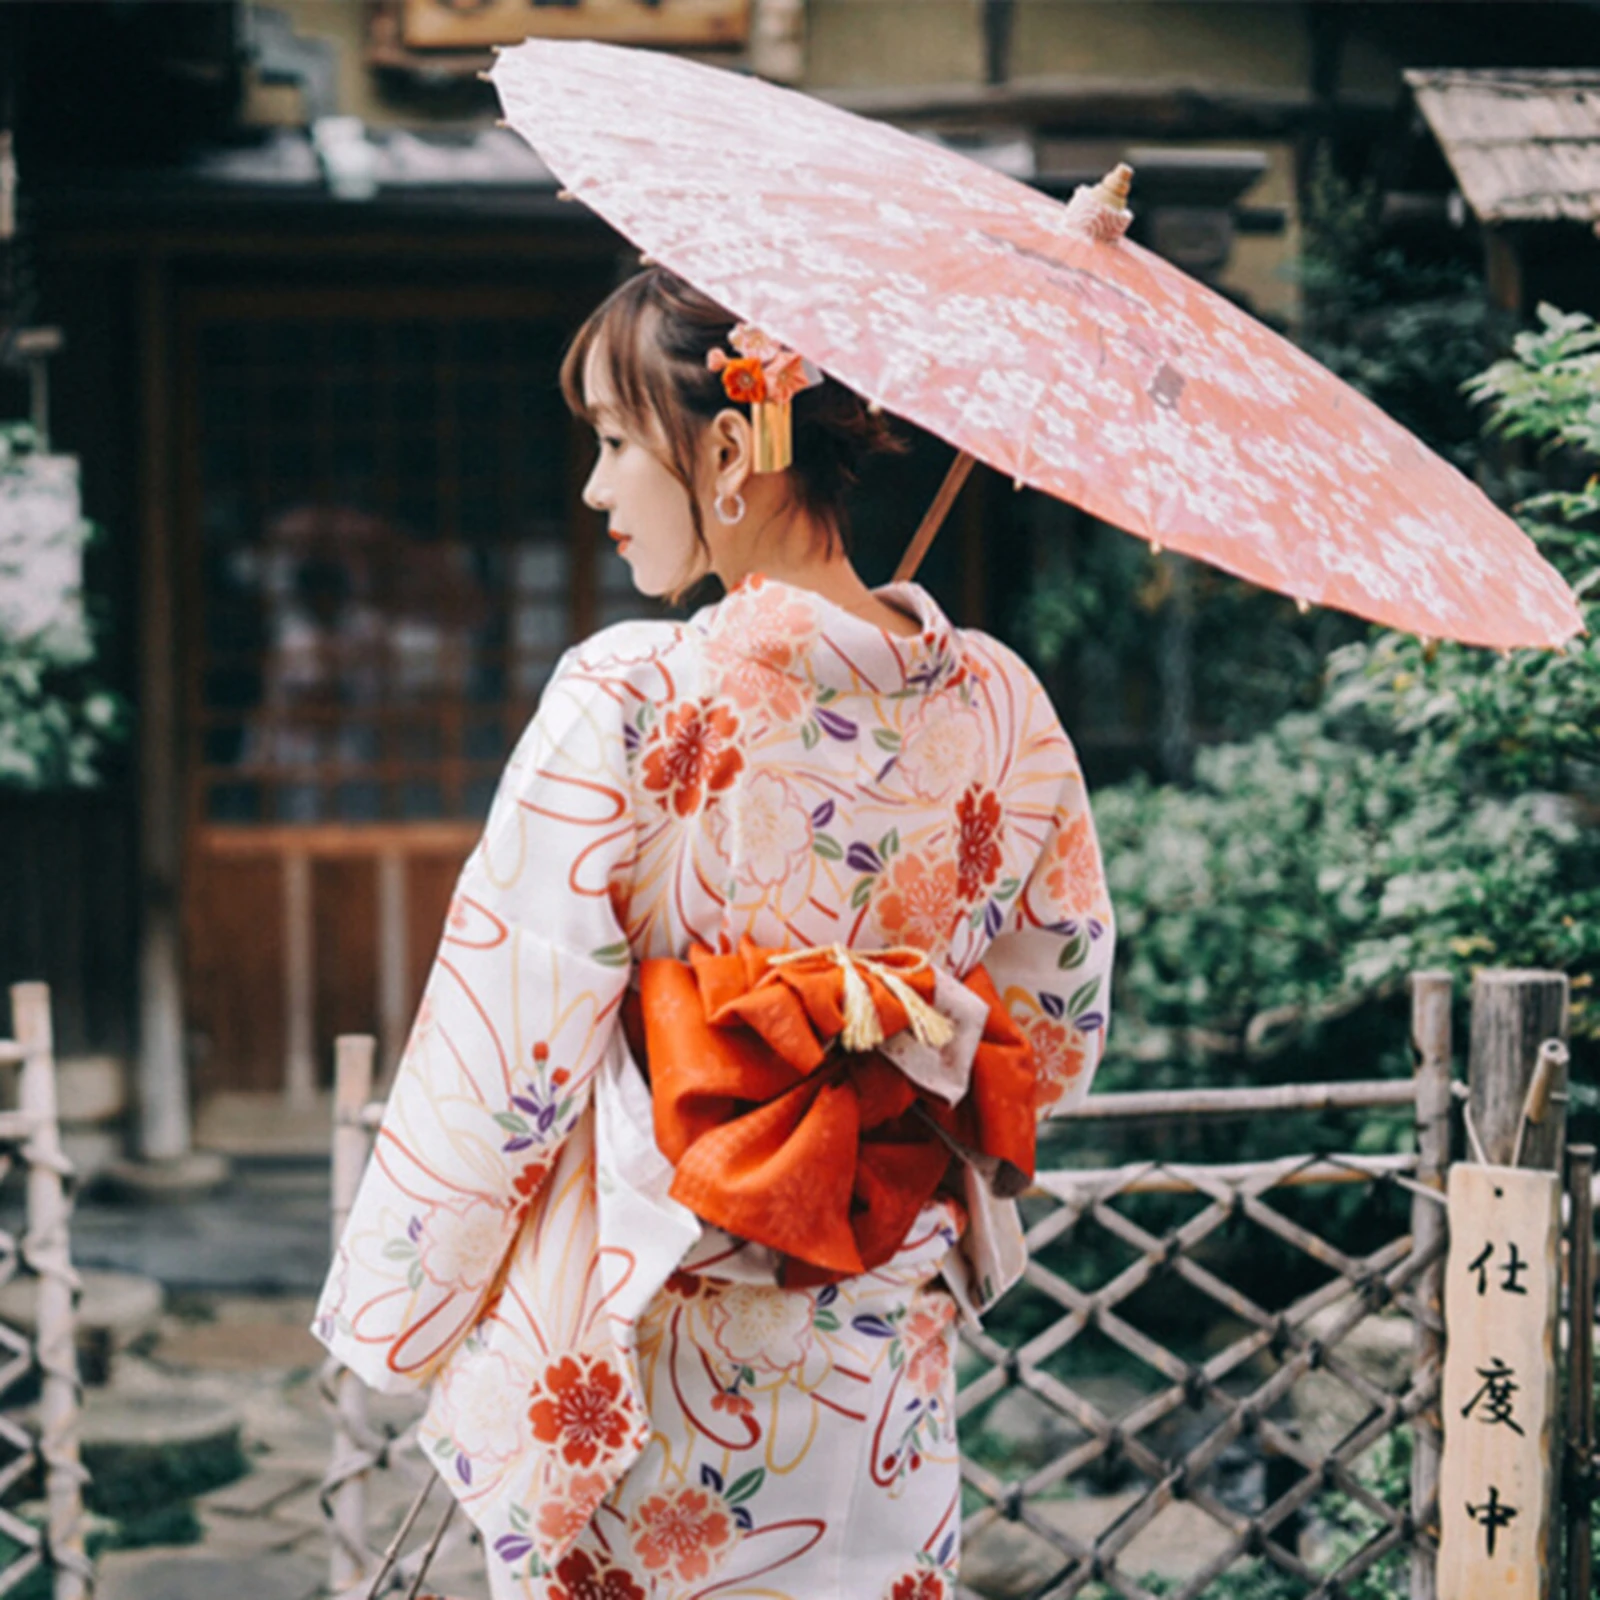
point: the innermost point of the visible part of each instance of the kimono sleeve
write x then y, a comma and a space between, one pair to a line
1052, 961
518, 1010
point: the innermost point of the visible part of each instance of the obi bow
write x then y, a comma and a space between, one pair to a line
811, 1100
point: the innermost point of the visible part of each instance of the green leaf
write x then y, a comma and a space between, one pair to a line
1008, 887
399, 1250
1073, 951
862, 892
511, 1122
414, 1276
743, 1487
809, 735
827, 847
1082, 998
827, 1321
886, 739
889, 844
619, 954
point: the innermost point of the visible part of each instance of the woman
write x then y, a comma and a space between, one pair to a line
633, 1401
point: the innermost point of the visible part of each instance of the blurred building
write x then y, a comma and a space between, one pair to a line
313, 303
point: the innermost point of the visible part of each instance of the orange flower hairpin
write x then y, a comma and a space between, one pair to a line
765, 376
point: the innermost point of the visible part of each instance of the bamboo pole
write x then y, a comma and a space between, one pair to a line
931, 523
352, 1142
1358, 1094
299, 981
1580, 1368
46, 1251
1430, 1044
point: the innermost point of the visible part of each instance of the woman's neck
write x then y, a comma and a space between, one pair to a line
796, 550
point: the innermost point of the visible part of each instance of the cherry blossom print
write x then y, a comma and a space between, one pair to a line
461, 1244
484, 1426
563, 1516
925, 1336
1060, 1054
768, 1330
940, 749
765, 622
764, 831
581, 1576
682, 1534
751, 685
920, 1583
917, 902
690, 755
582, 1405
979, 831
1072, 871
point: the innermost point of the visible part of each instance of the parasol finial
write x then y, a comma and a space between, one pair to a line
1116, 186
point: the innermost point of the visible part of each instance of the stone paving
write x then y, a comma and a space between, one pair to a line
265, 1537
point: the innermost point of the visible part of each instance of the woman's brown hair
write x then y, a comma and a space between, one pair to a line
653, 334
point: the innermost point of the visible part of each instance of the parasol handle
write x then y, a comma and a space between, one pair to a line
923, 537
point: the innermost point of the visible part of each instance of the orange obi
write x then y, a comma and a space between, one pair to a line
811, 1100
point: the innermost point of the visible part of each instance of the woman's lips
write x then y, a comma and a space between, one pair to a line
623, 540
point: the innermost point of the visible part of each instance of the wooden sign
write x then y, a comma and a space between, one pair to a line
1499, 1399
474, 24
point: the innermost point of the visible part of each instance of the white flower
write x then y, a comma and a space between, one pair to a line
462, 1244
940, 750
767, 833
484, 1397
765, 1328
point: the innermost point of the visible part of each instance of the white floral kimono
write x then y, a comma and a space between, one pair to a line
623, 1398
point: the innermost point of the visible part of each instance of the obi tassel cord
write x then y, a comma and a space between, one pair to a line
1033, 336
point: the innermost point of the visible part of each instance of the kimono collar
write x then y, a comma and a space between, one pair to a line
785, 628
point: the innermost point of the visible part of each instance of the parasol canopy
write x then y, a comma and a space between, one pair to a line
1032, 335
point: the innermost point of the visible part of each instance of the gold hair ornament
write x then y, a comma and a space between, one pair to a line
766, 376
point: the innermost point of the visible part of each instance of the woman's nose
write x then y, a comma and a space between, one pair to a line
594, 494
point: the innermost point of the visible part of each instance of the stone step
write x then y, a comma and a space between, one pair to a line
152, 1446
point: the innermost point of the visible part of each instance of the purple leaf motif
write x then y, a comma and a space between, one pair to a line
512, 1546
835, 726
873, 1327
741, 1515
1096, 927
463, 1468
993, 917
823, 815
863, 858
414, 1229
827, 1294
1054, 1005
710, 1477
521, 1142
523, 1103
1091, 1022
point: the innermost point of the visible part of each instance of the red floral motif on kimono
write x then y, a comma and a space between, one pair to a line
978, 849
926, 1583
580, 1577
562, 1520
927, 1346
685, 1533
583, 1405
691, 754
917, 904
1075, 866
1059, 1051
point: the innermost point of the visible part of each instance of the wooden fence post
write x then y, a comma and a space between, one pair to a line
352, 1088
45, 1249
1513, 1014
1580, 1365
1431, 994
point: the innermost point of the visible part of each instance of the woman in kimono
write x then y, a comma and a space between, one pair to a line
786, 923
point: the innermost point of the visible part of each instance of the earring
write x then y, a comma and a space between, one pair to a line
732, 514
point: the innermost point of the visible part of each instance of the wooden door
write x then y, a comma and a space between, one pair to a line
384, 556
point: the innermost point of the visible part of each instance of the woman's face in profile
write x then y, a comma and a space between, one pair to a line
646, 507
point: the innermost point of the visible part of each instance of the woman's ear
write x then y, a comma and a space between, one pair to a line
729, 443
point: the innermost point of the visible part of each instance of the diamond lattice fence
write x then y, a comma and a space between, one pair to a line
1207, 1387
